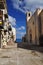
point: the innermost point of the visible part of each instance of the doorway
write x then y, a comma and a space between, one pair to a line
30, 38
41, 40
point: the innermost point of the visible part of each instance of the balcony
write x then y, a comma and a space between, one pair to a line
6, 15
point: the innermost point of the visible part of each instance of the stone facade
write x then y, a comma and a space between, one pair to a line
6, 33
35, 27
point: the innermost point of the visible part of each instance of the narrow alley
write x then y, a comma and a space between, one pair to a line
19, 56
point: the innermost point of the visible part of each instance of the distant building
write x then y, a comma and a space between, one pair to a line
35, 28
24, 38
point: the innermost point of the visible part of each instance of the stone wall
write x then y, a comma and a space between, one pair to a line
33, 26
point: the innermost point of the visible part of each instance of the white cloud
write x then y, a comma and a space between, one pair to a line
12, 20
17, 4
21, 28
25, 5
23, 33
20, 34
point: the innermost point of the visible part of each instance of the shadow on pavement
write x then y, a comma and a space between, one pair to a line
30, 47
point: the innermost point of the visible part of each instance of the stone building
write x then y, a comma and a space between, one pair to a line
3, 17
5, 26
35, 27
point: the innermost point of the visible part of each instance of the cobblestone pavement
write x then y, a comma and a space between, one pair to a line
18, 56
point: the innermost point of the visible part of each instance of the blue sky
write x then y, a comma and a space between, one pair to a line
17, 13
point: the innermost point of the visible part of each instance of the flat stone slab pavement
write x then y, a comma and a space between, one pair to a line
18, 56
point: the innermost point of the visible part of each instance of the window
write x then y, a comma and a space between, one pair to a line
30, 38
9, 28
29, 14
4, 32
1, 0
1, 12
1, 5
6, 16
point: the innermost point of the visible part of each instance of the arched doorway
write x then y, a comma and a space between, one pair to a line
30, 38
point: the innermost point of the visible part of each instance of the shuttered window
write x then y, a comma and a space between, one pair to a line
1, 5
